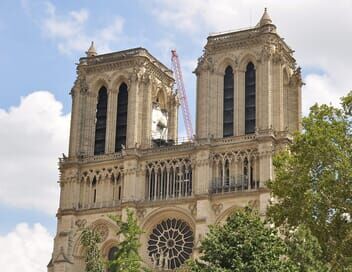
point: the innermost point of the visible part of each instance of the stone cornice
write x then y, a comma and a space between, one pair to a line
244, 39
126, 59
270, 46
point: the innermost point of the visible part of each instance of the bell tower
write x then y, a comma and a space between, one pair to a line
247, 82
121, 101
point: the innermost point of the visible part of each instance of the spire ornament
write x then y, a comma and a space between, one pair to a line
265, 20
92, 52
265, 23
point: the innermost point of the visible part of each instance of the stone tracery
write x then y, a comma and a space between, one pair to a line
234, 171
169, 179
170, 243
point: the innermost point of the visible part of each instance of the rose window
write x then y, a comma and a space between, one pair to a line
170, 244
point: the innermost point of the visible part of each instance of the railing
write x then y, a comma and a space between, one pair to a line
234, 139
223, 36
94, 205
170, 142
95, 158
239, 183
212, 34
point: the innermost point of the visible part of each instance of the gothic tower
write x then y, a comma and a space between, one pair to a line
124, 151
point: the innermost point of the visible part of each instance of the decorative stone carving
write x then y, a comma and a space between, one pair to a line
103, 230
80, 223
141, 213
205, 63
296, 78
199, 241
267, 52
193, 209
217, 208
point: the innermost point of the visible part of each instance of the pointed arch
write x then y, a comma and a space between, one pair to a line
225, 62
161, 98
246, 58
97, 81
121, 117
100, 121
228, 102
250, 99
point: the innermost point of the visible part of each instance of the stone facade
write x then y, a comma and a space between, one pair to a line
177, 189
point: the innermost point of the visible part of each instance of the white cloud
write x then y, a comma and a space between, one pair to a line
319, 31
164, 46
72, 34
26, 249
33, 136
319, 89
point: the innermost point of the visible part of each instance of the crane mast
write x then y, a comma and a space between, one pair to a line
182, 94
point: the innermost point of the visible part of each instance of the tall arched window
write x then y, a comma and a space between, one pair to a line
250, 99
121, 118
228, 103
100, 125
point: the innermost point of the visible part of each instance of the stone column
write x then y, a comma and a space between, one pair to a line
62, 194
147, 112
132, 111
202, 109
213, 103
265, 150
173, 118
75, 124
76, 199
130, 180
89, 123
218, 96
264, 91
84, 131
240, 100
201, 172
294, 102
277, 97
111, 121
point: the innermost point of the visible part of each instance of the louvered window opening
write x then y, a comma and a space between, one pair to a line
121, 118
250, 99
228, 102
100, 125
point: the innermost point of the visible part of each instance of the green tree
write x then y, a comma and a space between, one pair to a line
304, 250
243, 244
127, 258
313, 183
93, 260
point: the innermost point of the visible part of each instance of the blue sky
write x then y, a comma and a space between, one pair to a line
42, 40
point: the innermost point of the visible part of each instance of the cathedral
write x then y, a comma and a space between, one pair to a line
124, 150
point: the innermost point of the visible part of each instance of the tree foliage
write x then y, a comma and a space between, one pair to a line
304, 250
90, 240
127, 258
243, 244
313, 183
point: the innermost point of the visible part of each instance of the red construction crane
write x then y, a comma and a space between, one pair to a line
182, 94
